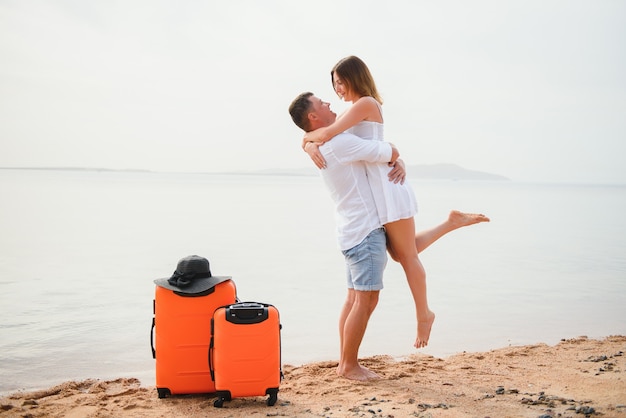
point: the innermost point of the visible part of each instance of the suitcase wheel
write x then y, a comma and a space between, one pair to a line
221, 397
273, 396
163, 392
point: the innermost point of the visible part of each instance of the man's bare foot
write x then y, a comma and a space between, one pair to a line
423, 330
359, 373
459, 219
372, 374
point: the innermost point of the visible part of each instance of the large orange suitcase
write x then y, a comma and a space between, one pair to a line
180, 337
244, 355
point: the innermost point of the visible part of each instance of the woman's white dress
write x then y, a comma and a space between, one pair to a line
394, 201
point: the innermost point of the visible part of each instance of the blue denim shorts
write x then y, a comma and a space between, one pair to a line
365, 263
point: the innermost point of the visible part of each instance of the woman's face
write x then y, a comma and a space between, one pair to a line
340, 88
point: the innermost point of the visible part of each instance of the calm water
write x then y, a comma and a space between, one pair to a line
79, 252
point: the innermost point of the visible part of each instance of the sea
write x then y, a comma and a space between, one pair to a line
80, 249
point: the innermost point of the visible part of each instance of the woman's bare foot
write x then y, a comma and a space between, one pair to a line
459, 219
423, 330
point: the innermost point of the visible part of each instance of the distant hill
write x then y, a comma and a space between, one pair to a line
421, 171
449, 171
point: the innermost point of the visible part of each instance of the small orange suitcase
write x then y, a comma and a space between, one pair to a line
244, 355
180, 337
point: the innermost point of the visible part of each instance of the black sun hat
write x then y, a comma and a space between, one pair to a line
192, 275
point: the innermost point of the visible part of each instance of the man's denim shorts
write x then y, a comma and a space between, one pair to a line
365, 263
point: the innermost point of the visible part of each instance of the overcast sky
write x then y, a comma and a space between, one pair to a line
532, 90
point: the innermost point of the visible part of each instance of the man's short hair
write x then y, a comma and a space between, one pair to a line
300, 109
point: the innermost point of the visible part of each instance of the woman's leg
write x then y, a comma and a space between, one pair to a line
455, 220
401, 239
403, 245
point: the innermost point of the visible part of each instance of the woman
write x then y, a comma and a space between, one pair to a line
395, 200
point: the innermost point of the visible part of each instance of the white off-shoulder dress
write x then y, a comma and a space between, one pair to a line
394, 201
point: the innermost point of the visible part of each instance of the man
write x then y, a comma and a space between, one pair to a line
360, 234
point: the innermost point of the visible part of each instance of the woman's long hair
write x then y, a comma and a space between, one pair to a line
356, 76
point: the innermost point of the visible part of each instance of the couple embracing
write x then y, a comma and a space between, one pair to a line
375, 207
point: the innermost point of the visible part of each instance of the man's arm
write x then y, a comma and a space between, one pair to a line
397, 174
349, 148
313, 150
395, 154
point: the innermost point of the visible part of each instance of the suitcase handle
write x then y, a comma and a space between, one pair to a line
211, 360
247, 313
211, 353
152, 339
152, 329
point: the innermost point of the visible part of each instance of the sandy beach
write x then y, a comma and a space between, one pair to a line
577, 377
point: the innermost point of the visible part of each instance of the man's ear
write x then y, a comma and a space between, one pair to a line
313, 120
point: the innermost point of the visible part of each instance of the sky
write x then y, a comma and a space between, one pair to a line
534, 90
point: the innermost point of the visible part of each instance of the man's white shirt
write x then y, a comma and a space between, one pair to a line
345, 177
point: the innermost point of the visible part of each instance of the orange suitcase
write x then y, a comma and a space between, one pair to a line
180, 337
244, 354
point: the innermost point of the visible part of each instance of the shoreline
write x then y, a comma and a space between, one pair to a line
576, 376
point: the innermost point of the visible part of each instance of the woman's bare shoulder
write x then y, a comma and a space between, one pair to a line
371, 108
368, 101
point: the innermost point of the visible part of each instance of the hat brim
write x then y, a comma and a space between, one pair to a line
197, 286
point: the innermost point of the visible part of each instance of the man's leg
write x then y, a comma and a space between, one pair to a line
365, 264
345, 311
353, 322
